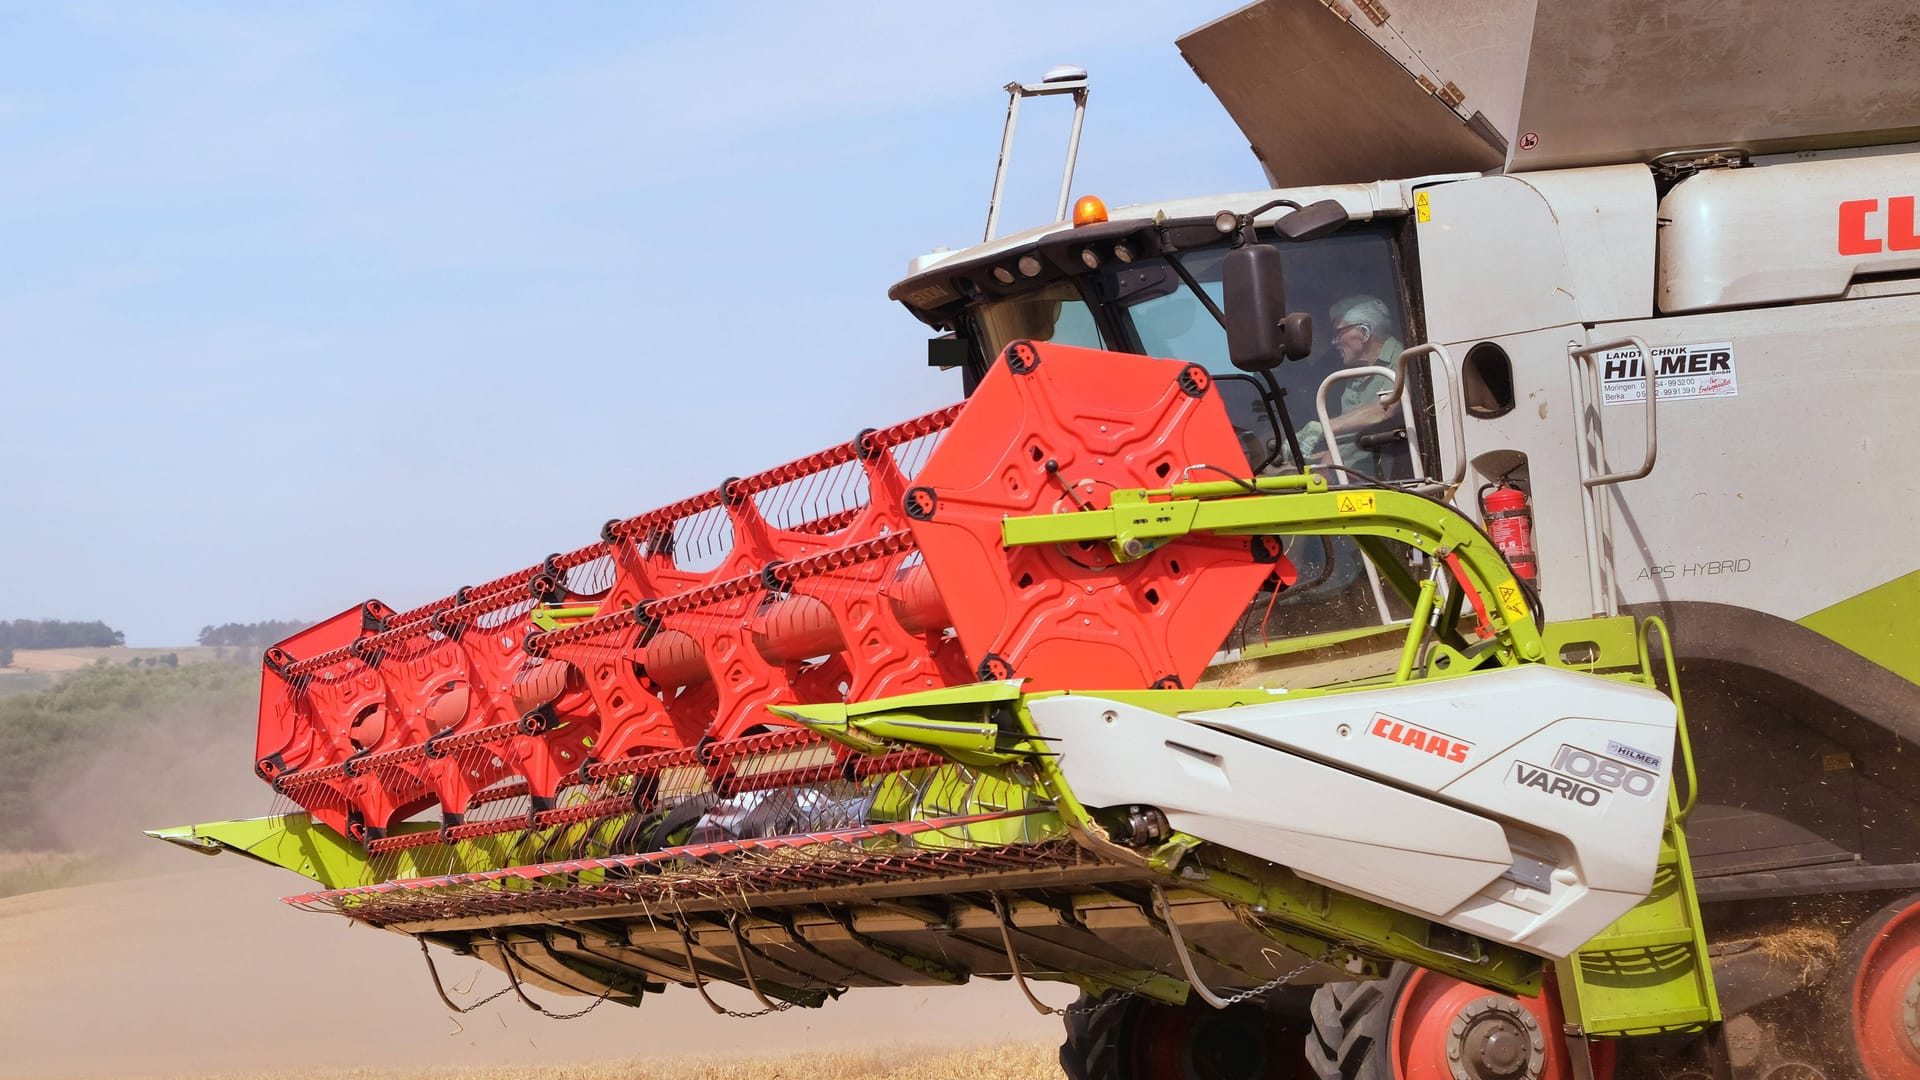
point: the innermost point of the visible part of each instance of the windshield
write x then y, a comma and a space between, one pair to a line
1349, 282
1345, 281
1054, 312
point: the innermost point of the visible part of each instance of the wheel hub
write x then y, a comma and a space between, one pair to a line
1495, 1038
1910, 1012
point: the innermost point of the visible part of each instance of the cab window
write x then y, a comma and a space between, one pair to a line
1055, 313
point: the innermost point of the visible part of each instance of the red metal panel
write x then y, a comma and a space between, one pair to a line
849, 574
1056, 429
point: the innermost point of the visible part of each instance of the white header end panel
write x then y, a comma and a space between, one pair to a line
1524, 806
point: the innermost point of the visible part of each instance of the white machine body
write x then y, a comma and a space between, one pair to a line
1524, 806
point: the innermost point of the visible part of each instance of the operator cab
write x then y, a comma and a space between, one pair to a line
1155, 285
1155, 281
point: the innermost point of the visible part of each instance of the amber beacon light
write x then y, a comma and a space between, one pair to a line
1089, 211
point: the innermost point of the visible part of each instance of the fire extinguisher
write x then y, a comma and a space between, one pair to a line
1510, 522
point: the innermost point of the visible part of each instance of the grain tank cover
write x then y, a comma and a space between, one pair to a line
1325, 96
1341, 91
1793, 231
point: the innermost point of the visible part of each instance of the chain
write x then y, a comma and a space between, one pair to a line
513, 984
441, 990
1245, 995
700, 984
736, 1014
577, 1014
1278, 980
1101, 1002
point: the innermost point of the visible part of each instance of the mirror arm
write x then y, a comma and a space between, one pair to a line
1279, 399
1180, 268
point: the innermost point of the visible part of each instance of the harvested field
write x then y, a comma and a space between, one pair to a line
201, 971
62, 661
31, 871
1013, 1061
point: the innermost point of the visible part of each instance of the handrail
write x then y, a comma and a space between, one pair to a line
1683, 745
1583, 358
1394, 394
1339, 460
1456, 400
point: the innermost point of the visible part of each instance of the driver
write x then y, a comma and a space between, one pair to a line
1363, 334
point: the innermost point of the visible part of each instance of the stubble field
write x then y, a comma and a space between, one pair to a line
1012, 1061
200, 971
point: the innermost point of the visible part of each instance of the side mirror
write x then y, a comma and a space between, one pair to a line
1296, 335
1260, 333
1314, 221
948, 351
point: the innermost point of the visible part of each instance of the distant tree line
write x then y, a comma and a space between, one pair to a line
254, 635
57, 634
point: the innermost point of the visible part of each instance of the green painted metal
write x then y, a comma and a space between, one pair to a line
874, 727
1422, 611
1137, 521
1650, 973
1877, 624
1362, 931
1310, 642
1000, 762
293, 841
1595, 646
552, 618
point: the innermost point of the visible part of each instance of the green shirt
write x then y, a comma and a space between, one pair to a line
1355, 393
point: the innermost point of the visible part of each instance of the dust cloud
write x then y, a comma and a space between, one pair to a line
191, 964
204, 970
168, 765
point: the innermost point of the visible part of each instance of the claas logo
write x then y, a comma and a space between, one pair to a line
1866, 228
1418, 738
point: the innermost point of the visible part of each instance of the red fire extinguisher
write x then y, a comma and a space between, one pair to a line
1510, 522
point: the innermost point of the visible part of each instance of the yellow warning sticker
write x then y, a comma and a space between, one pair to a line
1354, 502
1512, 601
1422, 207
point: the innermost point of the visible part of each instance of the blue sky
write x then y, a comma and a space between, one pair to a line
302, 306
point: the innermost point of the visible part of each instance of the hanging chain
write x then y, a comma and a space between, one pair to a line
441, 990
736, 1014
513, 984
1245, 995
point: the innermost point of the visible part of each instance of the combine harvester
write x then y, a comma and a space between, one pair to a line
1363, 735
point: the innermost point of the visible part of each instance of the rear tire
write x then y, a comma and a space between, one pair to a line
1350, 1022
1414, 1024
1140, 1039
1872, 999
